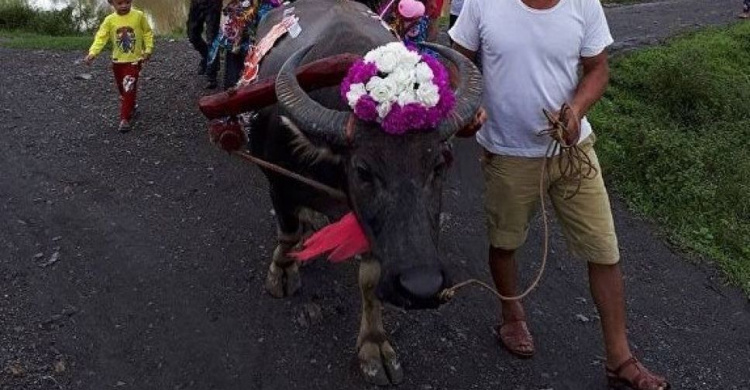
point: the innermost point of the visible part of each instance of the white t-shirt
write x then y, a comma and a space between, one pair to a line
530, 61
456, 6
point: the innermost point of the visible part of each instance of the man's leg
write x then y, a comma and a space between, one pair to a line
195, 33
511, 196
504, 269
513, 331
608, 292
605, 282
588, 225
212, 19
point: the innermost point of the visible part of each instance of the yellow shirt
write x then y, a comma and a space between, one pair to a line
130, 34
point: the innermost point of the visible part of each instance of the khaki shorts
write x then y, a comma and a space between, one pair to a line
512, 198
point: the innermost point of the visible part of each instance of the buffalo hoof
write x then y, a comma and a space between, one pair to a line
283, 282
379, 364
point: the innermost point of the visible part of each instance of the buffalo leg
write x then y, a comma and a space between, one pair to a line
377, 359
283, 279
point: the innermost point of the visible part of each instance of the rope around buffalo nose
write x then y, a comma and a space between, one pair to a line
574, 165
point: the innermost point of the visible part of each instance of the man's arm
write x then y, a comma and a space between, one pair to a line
472, 55
593, 83
590, 89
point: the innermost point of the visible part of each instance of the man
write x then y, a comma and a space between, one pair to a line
204, 13
531, 51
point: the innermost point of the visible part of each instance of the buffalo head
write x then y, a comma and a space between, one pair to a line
394, 181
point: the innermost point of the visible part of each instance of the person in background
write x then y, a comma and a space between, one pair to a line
204, 13
745, 10
434, 11
132, 44
532, 51
237, 34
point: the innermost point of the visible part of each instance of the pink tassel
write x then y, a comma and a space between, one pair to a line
343, 239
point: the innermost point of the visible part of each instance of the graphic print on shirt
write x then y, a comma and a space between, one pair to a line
126, 39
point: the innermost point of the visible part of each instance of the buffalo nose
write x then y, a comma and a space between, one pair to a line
421, 282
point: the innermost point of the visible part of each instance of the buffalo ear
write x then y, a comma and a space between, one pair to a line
303, 148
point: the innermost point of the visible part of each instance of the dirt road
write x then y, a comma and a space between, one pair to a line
136, 261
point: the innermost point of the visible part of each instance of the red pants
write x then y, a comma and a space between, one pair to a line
126, 78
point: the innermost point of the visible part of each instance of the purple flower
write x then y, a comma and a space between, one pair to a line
415, 115
440, 74
366, 108
360, 72
394, 122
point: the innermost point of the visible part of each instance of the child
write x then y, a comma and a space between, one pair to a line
132, 43
745, 10
411, 23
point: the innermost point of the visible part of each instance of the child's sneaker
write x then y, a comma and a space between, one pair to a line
124, 126
744, 15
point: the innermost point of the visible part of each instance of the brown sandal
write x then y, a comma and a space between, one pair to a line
516, 338
644, 380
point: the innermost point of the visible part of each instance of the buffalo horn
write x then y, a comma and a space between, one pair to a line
311, 117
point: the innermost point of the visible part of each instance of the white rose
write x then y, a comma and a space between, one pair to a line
406, 97
410, 58
403, 78
387, 62
373, 55
394, 47
383, 109
428, 94
423, 73
381, 90
356, 91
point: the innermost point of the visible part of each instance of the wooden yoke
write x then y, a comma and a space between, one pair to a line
325, 72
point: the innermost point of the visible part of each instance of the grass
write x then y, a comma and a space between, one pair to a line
71, 28
676, 142
27, 40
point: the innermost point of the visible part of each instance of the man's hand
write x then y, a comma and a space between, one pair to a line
469, 130
568, 117
89, 59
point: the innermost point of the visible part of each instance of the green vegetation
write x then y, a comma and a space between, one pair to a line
70, 28
81, 18
676, 141
22, 40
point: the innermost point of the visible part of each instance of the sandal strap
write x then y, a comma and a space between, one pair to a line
630, 361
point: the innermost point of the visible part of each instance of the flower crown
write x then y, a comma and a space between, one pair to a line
398, 88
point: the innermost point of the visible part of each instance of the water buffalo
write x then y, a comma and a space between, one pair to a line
393, 184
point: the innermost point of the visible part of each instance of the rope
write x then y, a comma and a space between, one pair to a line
245, 155
572, 162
